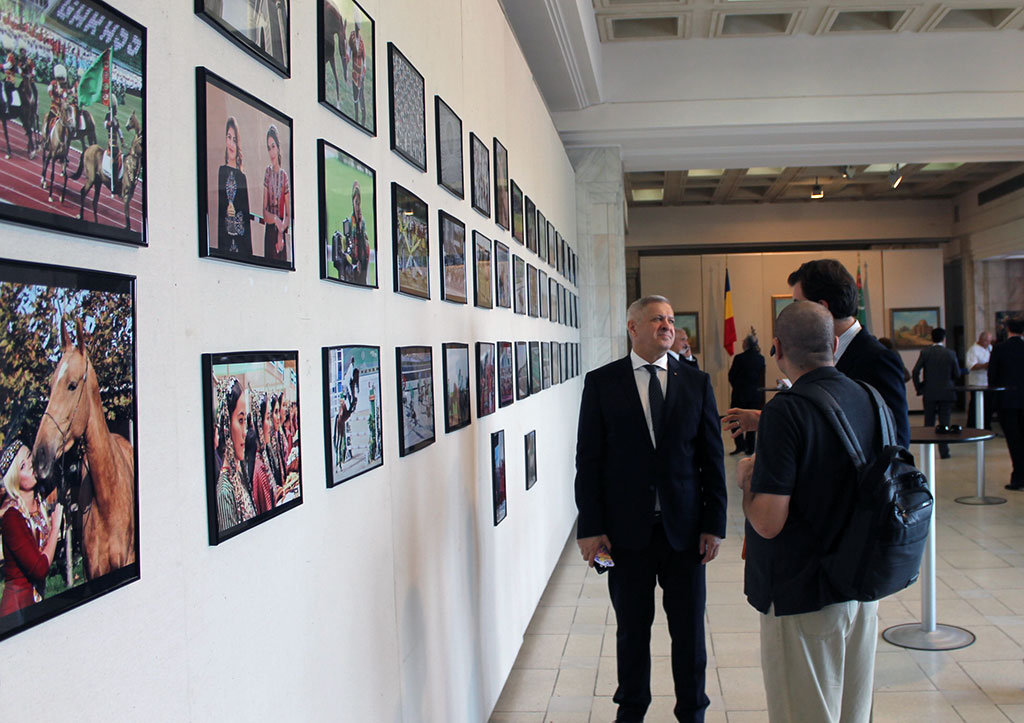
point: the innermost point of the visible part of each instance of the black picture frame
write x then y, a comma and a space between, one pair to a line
91, 348
542, 292
353, 411
451, 170
455, 368
522, 370
545, 364
58, 206
235, 508
219, 183
542, 236
556, 363
530, 457
518, 217
519, 284
480, 175
502, 276
533, 293
348, 247
506, 374
414, 371
407, 105
531, 224
498, 486
268, 40
335, 91
552, 245
483, 272
486, 378
552, 300
501, 203
536, 377
453, 258
410, 259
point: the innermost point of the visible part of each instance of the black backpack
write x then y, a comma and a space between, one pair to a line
879, 550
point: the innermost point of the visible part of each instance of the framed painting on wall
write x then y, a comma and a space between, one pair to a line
482, 271
532, 290
556, 363
542, 292
545, 364
410, 245
480, 173
531, 225
455, 368
522, 370
448, 142
485, 378
689, 321
536, 377
261, 29
415, 372
69, 368
500, 500
519, 283
911, 328
73, 30
348, 218
244, 216
506, 374
407, 102
501, 212
1000, 322
530, 450
552, 246
779, 302
348, 70
353, 411
453, 258
261, 388
502, 276
542, 236
518, 231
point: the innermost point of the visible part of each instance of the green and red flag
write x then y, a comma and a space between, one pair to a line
94, 87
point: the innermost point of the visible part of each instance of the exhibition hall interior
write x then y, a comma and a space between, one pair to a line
299, 298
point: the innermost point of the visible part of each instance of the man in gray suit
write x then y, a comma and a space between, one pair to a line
941, 370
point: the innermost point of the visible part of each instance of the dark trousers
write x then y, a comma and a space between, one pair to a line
631, 586
971, 421
1012, 421
944, 410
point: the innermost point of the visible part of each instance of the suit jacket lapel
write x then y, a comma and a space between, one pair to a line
672, 396
636, 418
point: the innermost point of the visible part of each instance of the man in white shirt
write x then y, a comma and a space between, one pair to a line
977, 365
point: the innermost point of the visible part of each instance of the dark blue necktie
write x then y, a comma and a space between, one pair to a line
655, 397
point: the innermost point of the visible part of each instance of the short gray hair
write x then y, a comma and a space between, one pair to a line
806, 331
637, 307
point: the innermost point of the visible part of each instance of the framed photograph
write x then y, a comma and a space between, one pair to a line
501, 210
542, 292
482, 270
410, 243
1000, 323
536, 377
245, 215
531, 225
407, 102
498, 476
522, 370
480, 172
485, 378
552, 300
348, 72
453, 258
262, 29
561, 304
34, 191
545, 364
519, 283
556, 363
248, 484
455, 369
518, 219
353, 411
560, 242
506, 374
912, 328
552, 246
448, 140
415, 371
503, 275
532, 290
542, 236
530, 446
69, 366
688, 322
348, 218
779, 302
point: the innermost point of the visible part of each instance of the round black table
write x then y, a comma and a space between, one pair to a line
929, 635
979, 416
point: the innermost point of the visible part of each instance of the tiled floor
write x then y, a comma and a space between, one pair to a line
566, 668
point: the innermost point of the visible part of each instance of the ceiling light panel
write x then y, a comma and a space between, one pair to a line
947, 18
643, 27
648, 195
754, 24
865, 20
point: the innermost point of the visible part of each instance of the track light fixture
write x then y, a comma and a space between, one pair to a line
846, 171
816, 191
896, 176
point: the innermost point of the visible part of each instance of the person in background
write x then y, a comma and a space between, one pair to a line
276, 201
681, 348
941, 370
1006, 369
746, 375
234, 231
234, 501
977, 376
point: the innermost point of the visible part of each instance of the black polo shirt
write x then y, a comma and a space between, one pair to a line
800, 455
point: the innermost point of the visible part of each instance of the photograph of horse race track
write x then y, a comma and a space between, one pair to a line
69, 508
72, 107
353, 426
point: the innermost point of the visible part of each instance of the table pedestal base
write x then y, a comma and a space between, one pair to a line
981, 500
915, 637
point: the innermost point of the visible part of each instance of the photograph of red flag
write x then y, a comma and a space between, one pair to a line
729, 332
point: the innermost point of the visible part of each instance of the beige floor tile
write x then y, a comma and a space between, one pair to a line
608, 644
591, 614
898, 671
725, 593
527, 690
562, 594
739, 618
1001, 579
568, 574
1002, 681
579, 645
567, 717
736, 650
1013, 599
972, 559
661, 641
721, 570
901, 707
661, 709
576, 681
590, 662
570, 704
607, 678
541, 651
991, 644
1014, 712
661, 676
511, 717
603, 710
551, 620
988, 605
747, 716
742, 688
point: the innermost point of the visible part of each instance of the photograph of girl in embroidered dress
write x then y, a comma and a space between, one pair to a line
68, 502
251, 406
352, 426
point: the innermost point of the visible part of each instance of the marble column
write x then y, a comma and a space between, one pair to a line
601, 236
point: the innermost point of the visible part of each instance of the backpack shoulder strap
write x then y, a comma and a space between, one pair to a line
836, 418
886, 421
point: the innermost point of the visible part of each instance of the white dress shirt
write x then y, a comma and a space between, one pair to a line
978, 354
643, 381
844, 340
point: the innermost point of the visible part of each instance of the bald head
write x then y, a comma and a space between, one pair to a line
806, 335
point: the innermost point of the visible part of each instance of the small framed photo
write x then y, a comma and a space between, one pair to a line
348, 70
102, 55
498, 476
261, 29
453, 258
552, 300
531, 225
348, 218
407, 102
70, 405
552, 245
482, 270
501, 210
545, 364
779, 302
518, 219
689, 321
522, 370
480, 172
485, 379
415, 371
536, 376
249, 483
912, 328
503, 275
506, 374
542, 292
455, 358
556, 363
245, 171
519, 283
410, 243
448, 140
542, 236
530, 447
353, 411
533, 290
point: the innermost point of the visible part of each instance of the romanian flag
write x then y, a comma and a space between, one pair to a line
729, 333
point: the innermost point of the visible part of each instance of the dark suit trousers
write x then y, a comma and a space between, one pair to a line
944, 411
631, 586
1012, 421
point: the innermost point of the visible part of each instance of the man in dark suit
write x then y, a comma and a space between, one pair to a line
746, 376
1006, 369
681, 350
941, 370
650, 486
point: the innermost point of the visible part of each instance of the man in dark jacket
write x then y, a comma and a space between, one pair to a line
941, 370
746, 376
1006, 369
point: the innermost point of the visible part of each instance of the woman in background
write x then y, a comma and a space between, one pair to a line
234, 502
234, 232
276, 194
746, 375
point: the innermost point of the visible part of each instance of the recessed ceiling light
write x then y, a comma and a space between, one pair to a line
941, 167
764, 170
641, 195
706, 172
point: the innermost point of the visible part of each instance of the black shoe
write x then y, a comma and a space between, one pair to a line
1015, 486
947, 455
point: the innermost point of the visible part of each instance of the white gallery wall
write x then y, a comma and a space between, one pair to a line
391, 597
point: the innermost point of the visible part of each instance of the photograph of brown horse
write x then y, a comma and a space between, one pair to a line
95, 177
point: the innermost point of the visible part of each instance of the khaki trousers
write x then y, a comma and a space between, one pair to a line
819, 667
